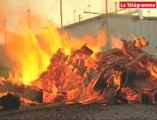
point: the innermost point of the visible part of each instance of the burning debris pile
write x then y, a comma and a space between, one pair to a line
125, 74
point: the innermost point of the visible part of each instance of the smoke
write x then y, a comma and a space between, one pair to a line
15, 14
15, 11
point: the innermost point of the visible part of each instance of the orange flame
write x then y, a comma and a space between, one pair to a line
140, 42
153, 69
117, 43
31, 52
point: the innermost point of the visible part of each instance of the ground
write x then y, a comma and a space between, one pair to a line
83, 112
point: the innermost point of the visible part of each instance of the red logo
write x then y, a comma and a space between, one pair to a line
133, 4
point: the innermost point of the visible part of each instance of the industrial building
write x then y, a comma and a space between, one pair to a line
118, 25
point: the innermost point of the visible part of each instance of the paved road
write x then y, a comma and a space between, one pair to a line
85, 112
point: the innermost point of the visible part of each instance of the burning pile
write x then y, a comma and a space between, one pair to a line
124, 74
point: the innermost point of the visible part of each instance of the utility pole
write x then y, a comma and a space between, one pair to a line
29, 22
80, 18
61, 13
5, 36
106, 6
89, 10
116, 7
74, 15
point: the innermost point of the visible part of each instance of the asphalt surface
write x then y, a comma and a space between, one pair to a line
83, 112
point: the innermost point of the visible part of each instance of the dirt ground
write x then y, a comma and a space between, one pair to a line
83, 112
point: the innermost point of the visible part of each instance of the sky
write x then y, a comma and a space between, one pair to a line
16, 10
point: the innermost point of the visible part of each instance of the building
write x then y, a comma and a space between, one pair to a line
118, 25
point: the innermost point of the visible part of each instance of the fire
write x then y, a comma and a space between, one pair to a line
153, 69
31, 51
140, 42
24, 50
65, 69
117, 79
116, 43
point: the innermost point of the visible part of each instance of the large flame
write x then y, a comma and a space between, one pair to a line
61, 56
31, 52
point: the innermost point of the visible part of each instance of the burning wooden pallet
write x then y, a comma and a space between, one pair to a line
120, 75
79, 78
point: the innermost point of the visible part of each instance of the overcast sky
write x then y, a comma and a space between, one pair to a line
15, 10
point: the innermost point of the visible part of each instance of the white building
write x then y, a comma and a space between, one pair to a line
118, 25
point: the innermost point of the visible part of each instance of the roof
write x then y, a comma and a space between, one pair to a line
106, 16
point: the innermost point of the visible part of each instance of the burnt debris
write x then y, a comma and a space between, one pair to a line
10, 102
122, 75
28, 92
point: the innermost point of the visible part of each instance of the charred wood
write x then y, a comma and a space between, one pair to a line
10, 102
87, 51
146, 99
31, 93
149, 96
